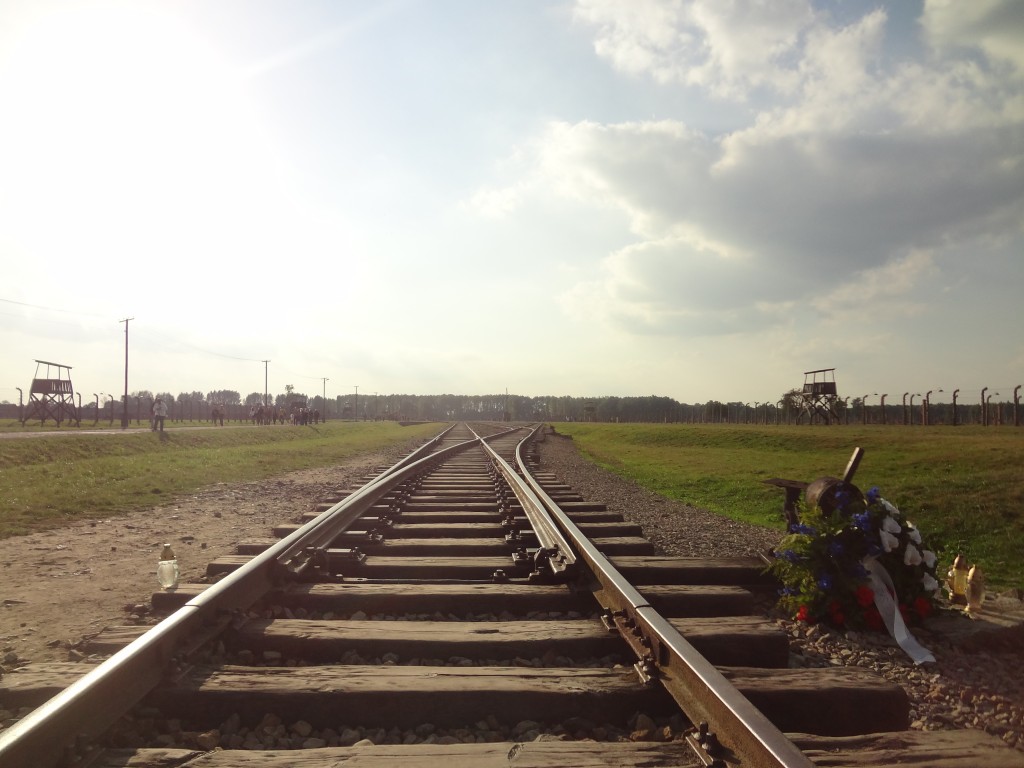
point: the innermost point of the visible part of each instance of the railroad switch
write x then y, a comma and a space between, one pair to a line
353, 555
521, 557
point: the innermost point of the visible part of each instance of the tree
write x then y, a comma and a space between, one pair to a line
792, 402
226, 396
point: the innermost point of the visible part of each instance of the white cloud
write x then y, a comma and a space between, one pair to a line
879, 286
728, 47
996, 27
842, 195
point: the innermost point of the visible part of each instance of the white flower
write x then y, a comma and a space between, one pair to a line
930, 584
890, 526
911, 556
890, 508
889, 542
913, 533
929, 558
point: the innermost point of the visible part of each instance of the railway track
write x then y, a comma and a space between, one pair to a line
464, 608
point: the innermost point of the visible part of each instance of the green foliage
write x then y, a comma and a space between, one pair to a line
821, 563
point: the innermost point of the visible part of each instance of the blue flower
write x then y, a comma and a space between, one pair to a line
842, 498
874, 494
862, 521
836, 548
806, 530
825, 581
789, 554
787, 591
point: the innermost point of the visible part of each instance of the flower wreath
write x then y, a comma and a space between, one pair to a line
823, 563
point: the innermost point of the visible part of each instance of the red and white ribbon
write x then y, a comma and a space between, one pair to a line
883, 589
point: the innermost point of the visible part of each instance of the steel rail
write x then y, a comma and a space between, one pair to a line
702, 692
554, 549
338, 518
93, 703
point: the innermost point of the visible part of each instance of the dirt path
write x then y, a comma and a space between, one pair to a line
62, 585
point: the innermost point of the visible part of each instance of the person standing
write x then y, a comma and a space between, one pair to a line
159, 413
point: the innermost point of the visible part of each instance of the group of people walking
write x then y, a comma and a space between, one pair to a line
258, 414
276, 414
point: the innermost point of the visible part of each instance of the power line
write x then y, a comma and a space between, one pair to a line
143, 332
180, 343
51, 309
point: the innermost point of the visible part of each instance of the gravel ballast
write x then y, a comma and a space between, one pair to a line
976, 682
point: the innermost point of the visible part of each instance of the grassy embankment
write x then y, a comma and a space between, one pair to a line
963, 487
51, 480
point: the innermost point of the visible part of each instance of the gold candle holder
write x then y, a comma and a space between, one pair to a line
975, 590
957, 581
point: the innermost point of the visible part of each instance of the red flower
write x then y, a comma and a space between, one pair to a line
835, 609
865, 596
802, 614
923, 607
873, 618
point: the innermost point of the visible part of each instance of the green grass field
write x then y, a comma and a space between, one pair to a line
51, 480
964, 487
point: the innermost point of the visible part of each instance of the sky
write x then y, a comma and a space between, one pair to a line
694, 199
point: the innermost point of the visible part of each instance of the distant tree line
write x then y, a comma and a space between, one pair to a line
788, 409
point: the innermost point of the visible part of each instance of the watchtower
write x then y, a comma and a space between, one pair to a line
819, 397
52, 397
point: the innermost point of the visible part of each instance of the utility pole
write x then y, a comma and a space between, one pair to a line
355, 409
325, 380
265, 362
124, 411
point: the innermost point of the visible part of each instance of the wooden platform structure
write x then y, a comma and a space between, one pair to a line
819, 397
52, 398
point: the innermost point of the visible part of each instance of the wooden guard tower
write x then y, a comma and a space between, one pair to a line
51, 398
819, 396
589, 412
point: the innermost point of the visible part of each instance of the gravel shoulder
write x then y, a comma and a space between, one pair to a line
63, 585
68, 584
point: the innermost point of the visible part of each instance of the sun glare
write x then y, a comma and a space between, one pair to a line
122, 119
